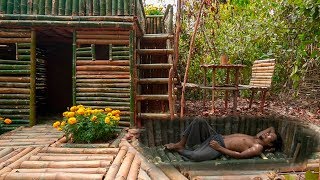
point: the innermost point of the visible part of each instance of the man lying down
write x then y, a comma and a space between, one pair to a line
206, 144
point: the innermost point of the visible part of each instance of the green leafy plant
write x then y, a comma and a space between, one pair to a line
86, 125
153, 10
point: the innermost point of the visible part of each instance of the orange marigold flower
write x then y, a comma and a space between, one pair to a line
72, 120
94, 118
56, 124
63, 123
1, 119
81, 111
7, 121
65, 114
107, 120
74, 108
70, 114
116, 118
108, 110
115, 112
59, 129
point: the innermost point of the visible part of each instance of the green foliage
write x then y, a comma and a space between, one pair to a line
153, 10
286, 30
85, 125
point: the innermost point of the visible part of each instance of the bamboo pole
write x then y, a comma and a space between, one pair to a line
65, 170
102, 68
24, 6
109, 7
10, 155
35, 7
96, 7
3, 6
33, 79
102, 41
81, 150
89, 10
75, 7
53, 175
42, 7
114, 7
143, 175
14, 79
74, 57
82, 7
116, 163
126, 8
120, 8
62, 7
10, 6
5, 151
48, 7
15, 157
64, 164
125, 165
132, 76
111, 36
134, 168
189, 59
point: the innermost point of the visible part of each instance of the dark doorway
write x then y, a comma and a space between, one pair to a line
55, 47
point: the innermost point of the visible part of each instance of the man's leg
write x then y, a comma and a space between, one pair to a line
196, 133
202, 153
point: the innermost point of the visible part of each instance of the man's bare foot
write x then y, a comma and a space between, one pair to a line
174, 146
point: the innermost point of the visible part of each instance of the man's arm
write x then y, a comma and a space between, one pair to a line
255, 150
268, 130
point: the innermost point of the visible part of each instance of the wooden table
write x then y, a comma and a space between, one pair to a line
227, 86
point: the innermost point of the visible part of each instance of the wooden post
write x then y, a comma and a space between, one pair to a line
33, 79
251, 97
132, 75
74, 57
226, 91
213, 85
263, 99
204, 84
189, 59
235, 92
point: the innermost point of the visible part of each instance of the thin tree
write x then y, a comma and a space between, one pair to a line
191, 50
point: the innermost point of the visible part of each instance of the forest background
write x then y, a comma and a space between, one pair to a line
247, 30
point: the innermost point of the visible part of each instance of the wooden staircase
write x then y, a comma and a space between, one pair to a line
155, 81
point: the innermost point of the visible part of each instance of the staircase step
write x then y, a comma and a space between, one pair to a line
152, 97
153, 81
155, 51
154, 66
154, 115
152, 37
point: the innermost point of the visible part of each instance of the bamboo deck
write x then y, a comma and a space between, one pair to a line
41, 152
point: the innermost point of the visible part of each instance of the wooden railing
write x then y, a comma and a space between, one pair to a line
157, 24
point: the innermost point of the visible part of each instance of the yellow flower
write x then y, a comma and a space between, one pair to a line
7, 121
74, 108
70, 114
72, 120
114, 112
59, 129
116, 118
94, 118
1, 119
109, 114
108, 110
56, 124
80, 106
65, 114
107, 120
81, 111
63, 123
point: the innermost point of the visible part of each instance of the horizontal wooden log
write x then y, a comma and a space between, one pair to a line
93, 94
22, 143
14, 91
113, 36
11, 154
23, 57
15, 67
120, 53
84, 76
64, 164
120, 57
16, 157
83, 24
84, 53
23, 45
14, 85
81, 150
154, 115
5, 151
14, 101
10, 72
14, 96
100, 41
99, 32
75, 145
102, 68
11, 111
263, 68
153, 80
154, 66
108, 99
263, 65
104, 103
152, 97
121, 108
106, 90
155, 51
72, 158
65, 170
15, 34
264, 61
52, 175
24, 51
14, 40
103, 62
102, 80
105, 85
102, 73
262, 74
14, 62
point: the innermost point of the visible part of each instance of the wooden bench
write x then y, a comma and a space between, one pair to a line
261, 78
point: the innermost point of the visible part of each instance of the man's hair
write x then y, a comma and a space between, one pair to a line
277, 145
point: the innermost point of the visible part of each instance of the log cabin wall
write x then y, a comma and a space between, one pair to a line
17, 89
103, 71
68, 7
